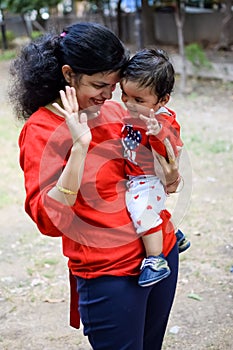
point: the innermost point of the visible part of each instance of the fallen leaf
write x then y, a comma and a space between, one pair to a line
194, 296
53, 301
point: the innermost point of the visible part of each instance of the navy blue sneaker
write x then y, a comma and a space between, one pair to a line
153, 270
182, 241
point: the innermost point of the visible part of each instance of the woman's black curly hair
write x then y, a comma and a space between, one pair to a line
88, 48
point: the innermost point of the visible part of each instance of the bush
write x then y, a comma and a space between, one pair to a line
196, 55
9, 37
7, 55
36, 34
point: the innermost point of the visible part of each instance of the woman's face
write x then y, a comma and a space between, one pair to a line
93, 90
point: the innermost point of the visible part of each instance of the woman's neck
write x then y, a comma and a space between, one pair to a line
50, 107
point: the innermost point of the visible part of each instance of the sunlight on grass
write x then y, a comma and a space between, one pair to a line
200, 146
7, 55
220, 146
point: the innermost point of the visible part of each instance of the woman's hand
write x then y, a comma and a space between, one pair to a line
152, 124
69, 182
77, 123
167, 170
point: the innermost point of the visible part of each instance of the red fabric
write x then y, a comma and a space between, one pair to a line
144, 157
74, 313
170, 129
98, 235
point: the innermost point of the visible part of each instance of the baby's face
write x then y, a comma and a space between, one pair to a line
138, 100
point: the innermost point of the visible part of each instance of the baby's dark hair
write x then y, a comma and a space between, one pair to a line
151, 68
88, 48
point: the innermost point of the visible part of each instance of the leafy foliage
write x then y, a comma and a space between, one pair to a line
24, 6
196, 55
9, 36
36, 34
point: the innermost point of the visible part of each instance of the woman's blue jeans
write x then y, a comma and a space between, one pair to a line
117, 314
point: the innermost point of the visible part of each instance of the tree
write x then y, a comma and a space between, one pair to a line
179, 19
25, 7
3, 26
119, 19
148, 24
225, 39
104, 9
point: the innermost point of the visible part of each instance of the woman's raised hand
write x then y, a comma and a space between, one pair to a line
76, 122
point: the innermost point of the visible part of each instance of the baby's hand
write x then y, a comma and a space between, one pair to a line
77, 123
153, 126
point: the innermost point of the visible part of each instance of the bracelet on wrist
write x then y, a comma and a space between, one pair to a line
175, 183
66, 190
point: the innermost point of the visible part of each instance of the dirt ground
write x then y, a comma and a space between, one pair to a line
34, 295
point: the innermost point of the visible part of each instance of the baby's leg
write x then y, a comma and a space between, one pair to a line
153, 243
154, 267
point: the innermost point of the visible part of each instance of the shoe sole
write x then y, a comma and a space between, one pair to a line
155, 281
185, 247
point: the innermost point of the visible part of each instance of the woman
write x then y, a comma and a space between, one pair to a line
75, 184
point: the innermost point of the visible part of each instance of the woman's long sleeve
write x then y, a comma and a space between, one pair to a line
43, 155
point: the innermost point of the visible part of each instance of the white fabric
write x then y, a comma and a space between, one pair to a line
145, 198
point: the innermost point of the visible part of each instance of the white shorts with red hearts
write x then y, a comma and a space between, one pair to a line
145, 198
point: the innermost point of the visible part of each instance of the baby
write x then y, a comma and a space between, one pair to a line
146, 84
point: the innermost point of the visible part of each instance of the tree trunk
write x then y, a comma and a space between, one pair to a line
38, 27
3, 31
138, 29
225, 39
119, 19
148, 26
179, 19
28, 27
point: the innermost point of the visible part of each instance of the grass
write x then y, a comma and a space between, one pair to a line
198, 145
49, 262
220, 146
7, 55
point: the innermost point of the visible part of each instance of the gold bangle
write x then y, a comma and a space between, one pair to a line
180, 188
66, 190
